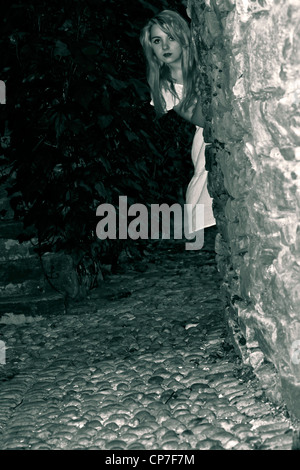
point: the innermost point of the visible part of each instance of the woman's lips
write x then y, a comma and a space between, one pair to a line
167, 54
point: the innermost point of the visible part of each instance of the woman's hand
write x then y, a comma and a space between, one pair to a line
193, 114
197, 117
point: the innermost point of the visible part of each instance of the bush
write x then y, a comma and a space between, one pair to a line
81, 128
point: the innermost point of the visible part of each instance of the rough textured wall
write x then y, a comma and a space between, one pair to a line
249, 55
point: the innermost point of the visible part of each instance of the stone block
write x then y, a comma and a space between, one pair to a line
60, 271
291, 394
26, 288
264, 56
30, 305
11, 249
282, 120
10, 229
224, 6
212, 23
19, 270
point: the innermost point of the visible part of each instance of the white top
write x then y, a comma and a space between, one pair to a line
197, 195
169, 98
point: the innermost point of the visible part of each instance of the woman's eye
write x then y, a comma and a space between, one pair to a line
156, 41
171, 38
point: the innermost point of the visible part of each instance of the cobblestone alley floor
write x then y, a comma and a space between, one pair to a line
142, 364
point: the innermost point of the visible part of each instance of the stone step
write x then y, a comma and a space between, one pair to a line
34, 305
29, 275
28, 287
11, 229
20, 270
11, 249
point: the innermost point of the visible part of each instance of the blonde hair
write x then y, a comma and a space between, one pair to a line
159, 75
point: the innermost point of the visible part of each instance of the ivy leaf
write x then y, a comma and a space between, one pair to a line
149, 6
117, 84
61, 49
76, 126
85, 186
60, 124
92, 49
131, 136
99, 187
84, 93
141, 88
105, 121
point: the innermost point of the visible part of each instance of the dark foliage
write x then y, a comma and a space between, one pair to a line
81, 129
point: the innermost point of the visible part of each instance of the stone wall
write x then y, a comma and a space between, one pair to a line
249, 56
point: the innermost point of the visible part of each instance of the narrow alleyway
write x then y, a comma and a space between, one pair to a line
144, 363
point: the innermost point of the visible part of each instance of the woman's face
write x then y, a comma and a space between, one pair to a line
165, 47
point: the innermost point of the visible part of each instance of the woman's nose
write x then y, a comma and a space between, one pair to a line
165, 45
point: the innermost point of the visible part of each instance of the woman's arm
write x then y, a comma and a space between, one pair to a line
193, 114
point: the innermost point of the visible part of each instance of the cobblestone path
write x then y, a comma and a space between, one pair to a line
142, 364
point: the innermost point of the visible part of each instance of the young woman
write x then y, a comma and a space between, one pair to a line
172, 74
